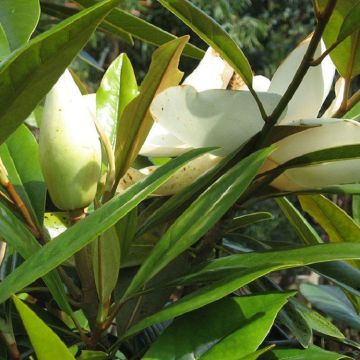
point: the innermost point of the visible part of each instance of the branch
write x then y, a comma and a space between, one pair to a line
301, 71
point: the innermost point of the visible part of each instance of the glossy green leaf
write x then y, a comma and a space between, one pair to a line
4, 43
62, 12
213, 34
246, 220
350, 46
255, 355
305, 231
351, 23
356, 208
126, 229
203, 296
318, 322
84, 232
20, 155
46, 343
354, 112
333, 302
209, 207
30, 71
339, 272
296, 323
118, 87
106, 263
177, 203
303, 255
247, 338
339, 226
136, 121
313, 353
142, 29
19, 18
216, 331
19, 237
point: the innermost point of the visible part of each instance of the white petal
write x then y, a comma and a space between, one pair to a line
162, 143
212, 73
222, 118
331, 133
182, 178
314, 88
90, 100
339, 96
260, 84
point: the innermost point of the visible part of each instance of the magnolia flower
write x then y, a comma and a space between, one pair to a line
202, 113
70, 150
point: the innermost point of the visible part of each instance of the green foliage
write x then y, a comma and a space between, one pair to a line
204, 271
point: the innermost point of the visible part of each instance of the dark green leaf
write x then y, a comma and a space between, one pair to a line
84, 232
206, 333
333, 302
313, 353
246, 220
141, 29
200, 217
350, 46
19, 237
30, 71
20, 155
106, 263
351, 23
18, 19
303, 255
204, 296
213, 34
4, 43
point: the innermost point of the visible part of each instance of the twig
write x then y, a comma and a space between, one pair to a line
22, 208
83, 263
304, 66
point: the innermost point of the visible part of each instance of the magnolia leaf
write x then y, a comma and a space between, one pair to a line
312, 353
213, 34
347, 53
209, 207
136, 121
339, 226
118, 87
26, 77
205, 333
18, 19
141, 29
85, 231
46, 343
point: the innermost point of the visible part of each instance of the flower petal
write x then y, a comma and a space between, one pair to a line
331, 133
182, 178
339, 96
260, 84
315, 87
162, 143
212, 73
222, 118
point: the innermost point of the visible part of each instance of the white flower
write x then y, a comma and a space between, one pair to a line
202, 113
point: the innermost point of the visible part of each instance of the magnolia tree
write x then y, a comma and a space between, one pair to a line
123, 214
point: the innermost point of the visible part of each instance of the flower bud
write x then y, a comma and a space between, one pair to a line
70, 150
